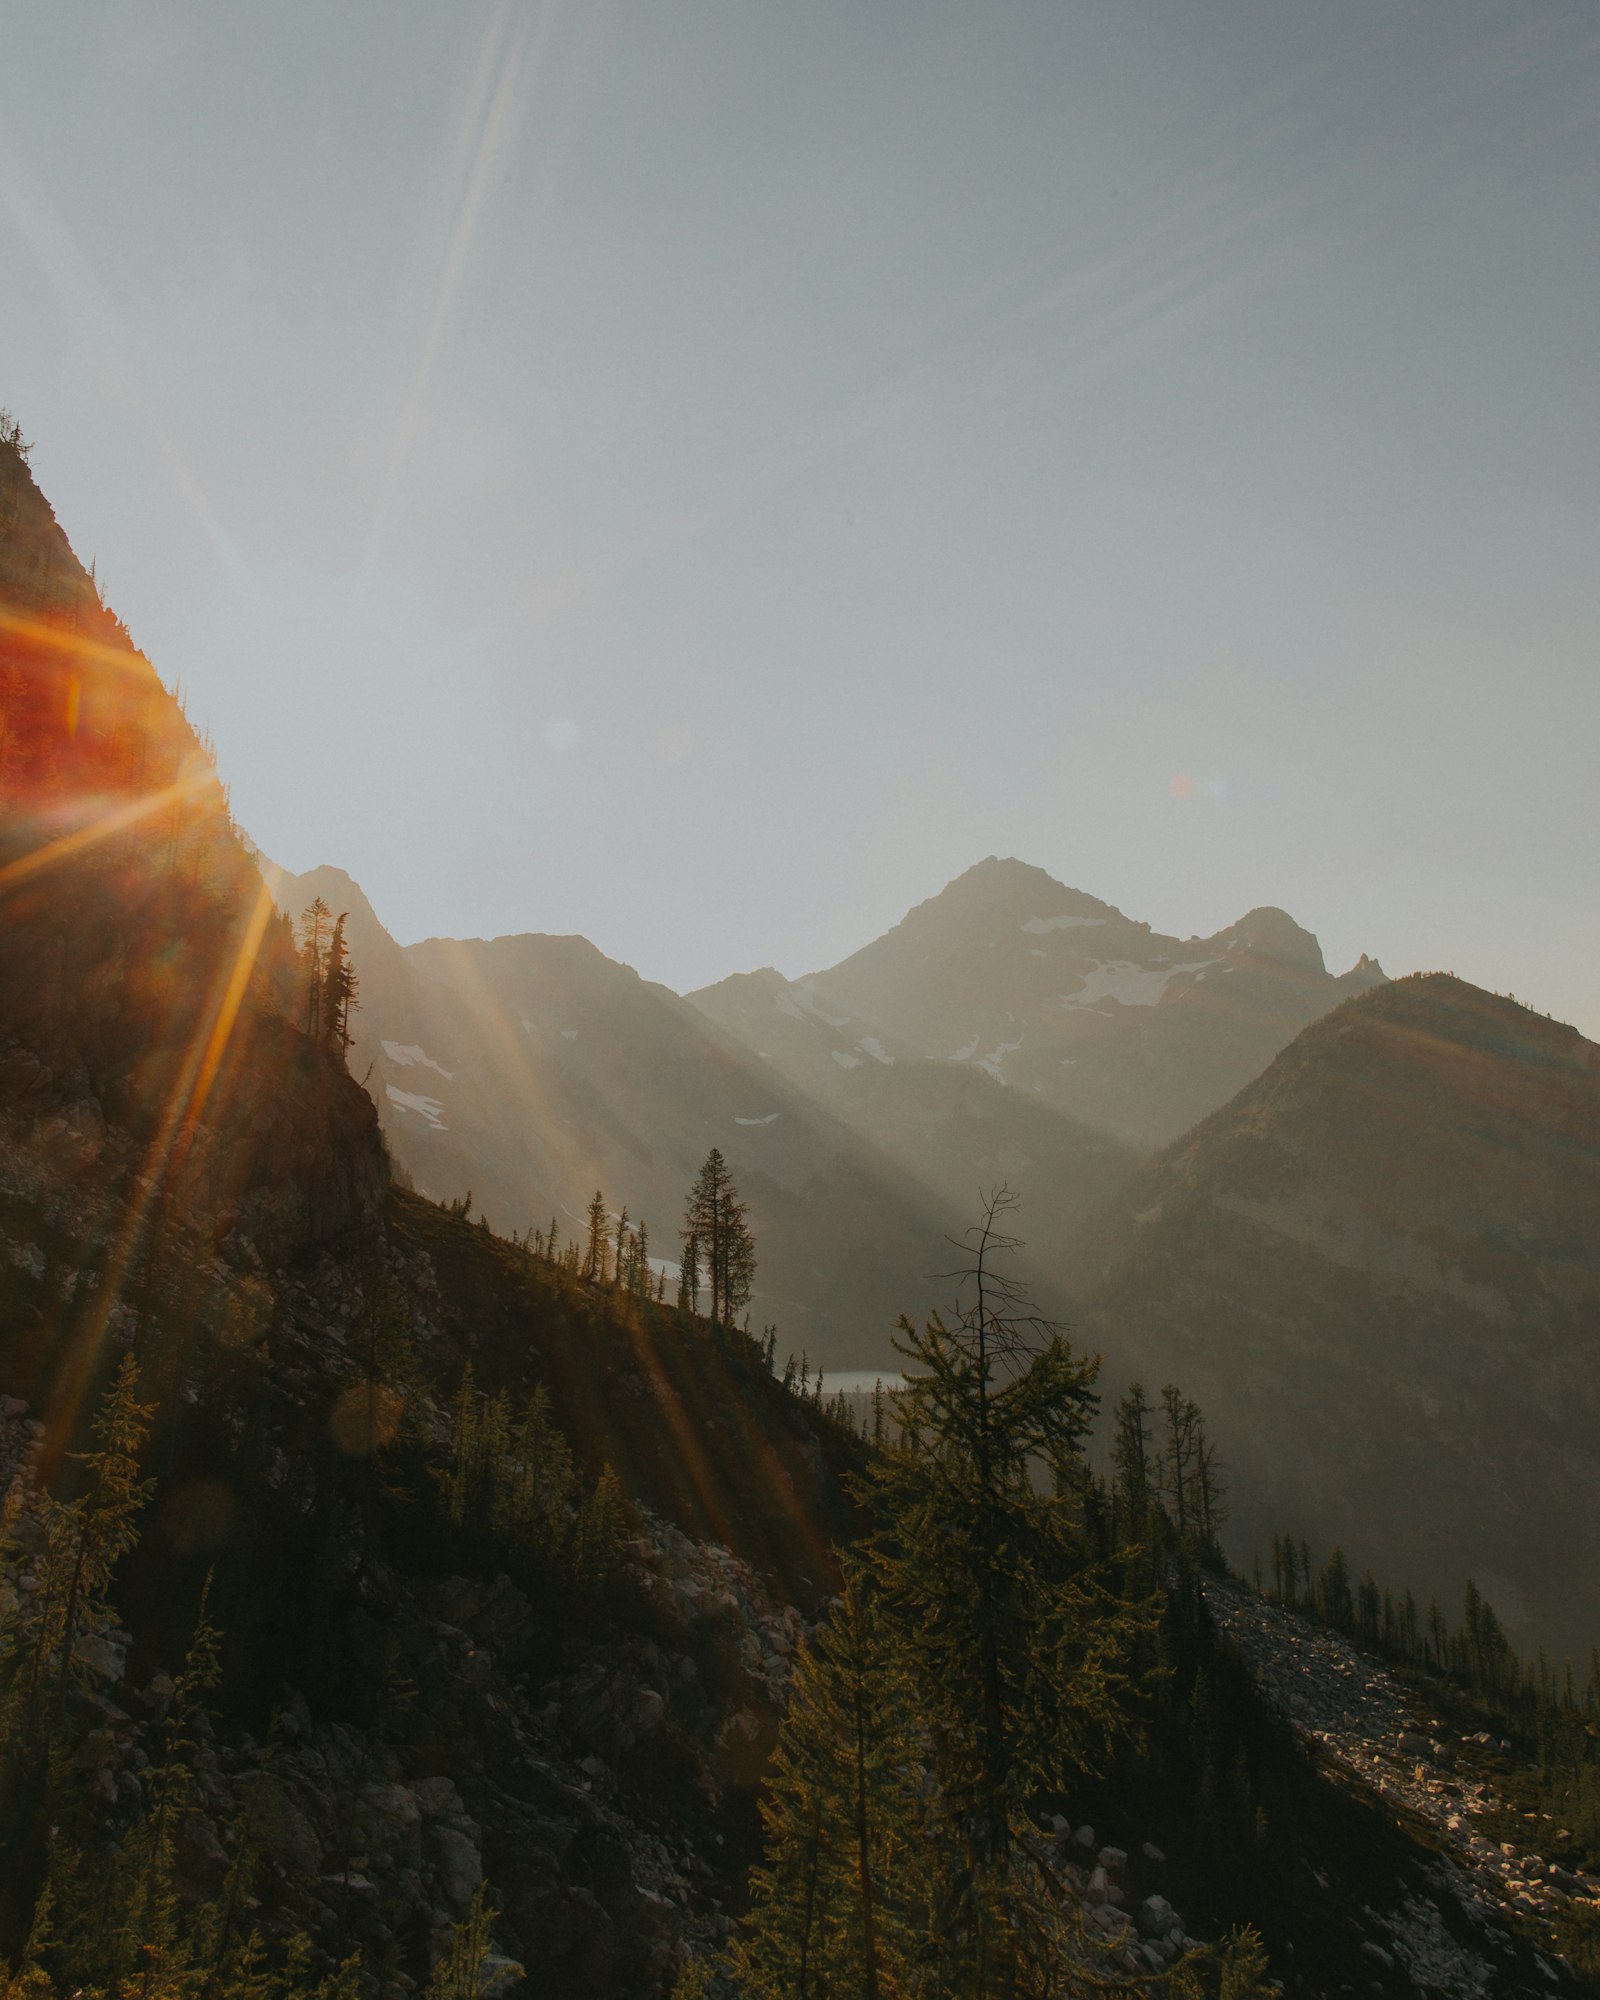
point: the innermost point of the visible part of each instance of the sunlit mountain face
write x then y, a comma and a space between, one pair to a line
146, 982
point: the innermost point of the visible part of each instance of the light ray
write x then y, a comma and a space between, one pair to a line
492, 108
167, 1149
104, 827
36, 632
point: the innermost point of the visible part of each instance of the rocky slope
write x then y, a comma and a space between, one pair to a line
1364, 1722
1378, 1269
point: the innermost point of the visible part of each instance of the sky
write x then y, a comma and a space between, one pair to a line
703, 475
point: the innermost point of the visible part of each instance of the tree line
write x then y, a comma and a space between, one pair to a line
717, 1248
1543, 1707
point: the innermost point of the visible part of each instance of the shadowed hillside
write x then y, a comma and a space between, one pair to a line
1379, 1269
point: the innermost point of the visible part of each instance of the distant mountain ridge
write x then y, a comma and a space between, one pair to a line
1051, 992
531, 1070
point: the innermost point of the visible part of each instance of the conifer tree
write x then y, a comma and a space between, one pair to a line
315, 922
459, 1973
598, 1251
1020, 1648
843, 1898
87, 1537
603, 1525
340, 991
715, 1220
619, 1268
689, 1273
1130, 1457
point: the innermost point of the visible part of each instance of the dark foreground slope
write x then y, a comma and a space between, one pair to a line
440, 1656
1378, 1269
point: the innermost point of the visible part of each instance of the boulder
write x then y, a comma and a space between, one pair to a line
1155, 1917
458, 1864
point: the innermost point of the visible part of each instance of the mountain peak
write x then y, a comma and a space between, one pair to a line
1004, 885
1269, 932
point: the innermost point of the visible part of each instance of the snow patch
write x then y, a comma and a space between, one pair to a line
1039, 926
770, 1119
996, 1056
1128, 984
870, 1045
805, 995
404, 1054
787, 1005
569, 1034
964, 1055
845, 1060
427, 1108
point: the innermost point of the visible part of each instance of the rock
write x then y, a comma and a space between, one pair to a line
1155, 1917
1152, 1852
437, 1798
499, 1975
294, 1716
1114, 1860
459, 1865
1099, 1889
1084, 1838
1410, 1744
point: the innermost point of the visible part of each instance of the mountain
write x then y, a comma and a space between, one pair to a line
1378, 1270
531, 1070
1054, 994
385, 1610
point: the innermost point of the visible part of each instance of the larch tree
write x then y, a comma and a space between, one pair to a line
843, 1899
1021, 1647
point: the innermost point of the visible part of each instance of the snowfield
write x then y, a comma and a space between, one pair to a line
406, 1054
427, 1108
1128, 984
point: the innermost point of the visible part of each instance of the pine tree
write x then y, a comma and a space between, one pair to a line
89, 1536
603, 1526
1130, 1457
715, 1225
315, 921
1020, 1647
844, 1896
340, 991
641, 1281
597, 1255
689, 1273
619, 1269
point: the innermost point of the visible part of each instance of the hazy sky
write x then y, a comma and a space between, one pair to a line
702, 473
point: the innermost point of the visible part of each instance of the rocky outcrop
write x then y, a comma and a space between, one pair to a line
1359, 1717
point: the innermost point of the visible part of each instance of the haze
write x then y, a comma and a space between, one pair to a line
701, 476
